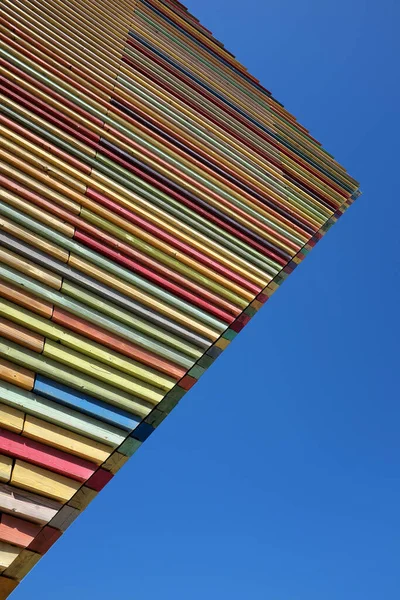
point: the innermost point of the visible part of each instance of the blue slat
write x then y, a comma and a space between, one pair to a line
91, 406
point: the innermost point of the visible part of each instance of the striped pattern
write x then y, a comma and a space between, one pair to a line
153, 195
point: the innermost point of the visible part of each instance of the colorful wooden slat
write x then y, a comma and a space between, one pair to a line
153, 196
8, 554
85, 403
21, 335
27, 505
47, 457
11, 419
45, 539
7, 586
12, 373
63, 519
59, 414
61, 438
24, 562
6, 465
17, 531
35, 479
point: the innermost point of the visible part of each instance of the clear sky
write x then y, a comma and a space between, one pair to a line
277, 477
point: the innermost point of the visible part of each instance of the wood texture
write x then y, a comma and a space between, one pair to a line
24, 562
87, 404
45, 456
115, 462
26, 505
19, 296
21, 335
82, 498
99, 479
115, 343
17, 531
6, 465
64, 517
16, 374
11, 419
29, 268
6, 587
66, 374
153, 196
8, 554
63, 439
56, 412
35, 479
45, 539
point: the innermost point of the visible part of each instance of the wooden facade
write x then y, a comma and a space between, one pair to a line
153, 196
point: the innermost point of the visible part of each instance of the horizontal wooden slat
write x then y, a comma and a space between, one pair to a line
6, 465
44, 456
66, 374
24, 562
65, 440
153, 196
45, 539
60, 413
8, 554
13, 373
21, 335
19, 296
11, 418
63, 519
115, 343
41, 481
17, 531
26, 505
29, 268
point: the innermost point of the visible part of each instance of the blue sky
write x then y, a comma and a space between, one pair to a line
277, 477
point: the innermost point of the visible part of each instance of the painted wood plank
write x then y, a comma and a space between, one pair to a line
8, 554
30, 268
40, 481
24, 234
129, 275
19, 376
64, 518
24, 562
63, 439
65, 374
17, 531
26, 505
102, 372
136, 329
20, 296
60, 414
115, 462
112, 266
21, 335
169, 284
82, 498
129, 446
116, 343
18, 318
6, 465
6, 587
44, 456
50, 272
45, 539
111, 317
24, 199
62, 393
99, 479
11, 419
